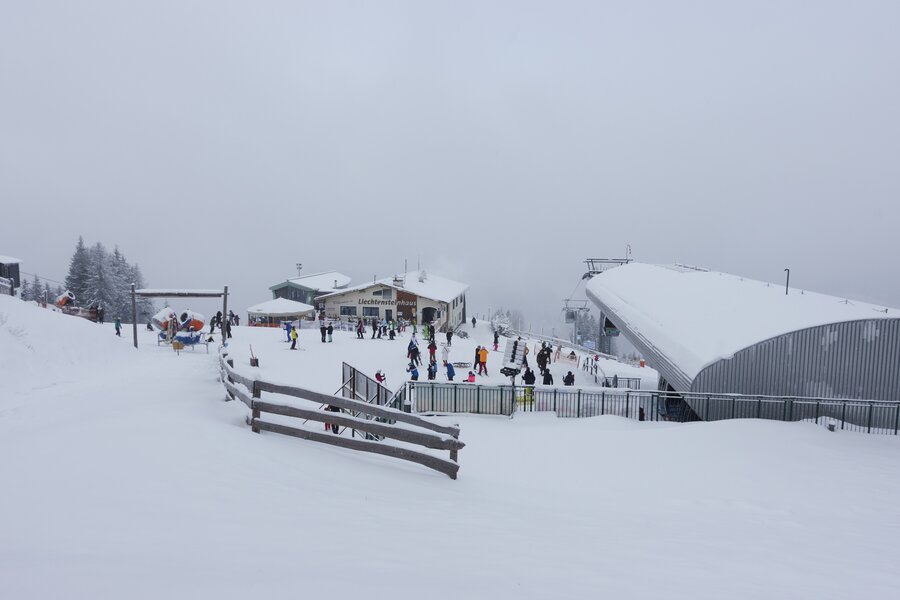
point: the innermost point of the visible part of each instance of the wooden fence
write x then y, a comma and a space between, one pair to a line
440, 437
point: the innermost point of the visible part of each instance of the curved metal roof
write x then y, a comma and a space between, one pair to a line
685, 319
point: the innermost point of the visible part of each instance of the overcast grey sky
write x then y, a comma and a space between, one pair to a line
501, 142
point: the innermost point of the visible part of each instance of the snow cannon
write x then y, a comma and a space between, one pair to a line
67, 298
187, 337
161, 319
191, 321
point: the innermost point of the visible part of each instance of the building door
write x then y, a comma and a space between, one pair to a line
388, 314
428, 314
406, 305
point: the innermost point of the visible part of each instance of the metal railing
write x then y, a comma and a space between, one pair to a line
435, 397
359, 386
631, 383
561, 342
6, 286
869, 416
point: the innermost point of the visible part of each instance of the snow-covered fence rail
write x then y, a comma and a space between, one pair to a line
436, 436
869, 416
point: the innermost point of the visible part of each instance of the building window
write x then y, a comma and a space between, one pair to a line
376, 293
348, 311
370, 311
387, 294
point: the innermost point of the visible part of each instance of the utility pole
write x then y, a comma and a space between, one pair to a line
134, 314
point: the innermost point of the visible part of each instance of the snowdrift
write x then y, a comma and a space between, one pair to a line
41, 348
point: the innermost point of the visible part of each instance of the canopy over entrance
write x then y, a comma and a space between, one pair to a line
269, 313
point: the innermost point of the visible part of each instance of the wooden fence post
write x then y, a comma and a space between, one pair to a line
454, 454
256, 394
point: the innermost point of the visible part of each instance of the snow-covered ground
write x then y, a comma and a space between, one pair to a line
318, 366
125, 475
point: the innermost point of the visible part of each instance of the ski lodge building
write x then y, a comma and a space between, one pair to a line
419, 295
711, 332
9, 274
306, 288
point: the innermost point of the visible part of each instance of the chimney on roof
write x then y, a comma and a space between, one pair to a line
335, 284
399, 281
422, 276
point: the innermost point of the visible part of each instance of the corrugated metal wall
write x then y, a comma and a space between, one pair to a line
854, 359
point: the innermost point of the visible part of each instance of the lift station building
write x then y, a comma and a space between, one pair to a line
711, 332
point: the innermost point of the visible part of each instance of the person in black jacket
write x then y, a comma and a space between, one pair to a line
528, 377
569, 379
548, 378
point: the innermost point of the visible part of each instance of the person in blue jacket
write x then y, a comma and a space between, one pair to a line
451, 372
413, 371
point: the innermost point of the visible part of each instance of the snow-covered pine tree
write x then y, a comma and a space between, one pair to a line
119, 280
25, 291
97, 276
500, 322
37, 289
48, 293
98, 288
79, 269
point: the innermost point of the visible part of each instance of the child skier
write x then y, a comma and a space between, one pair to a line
413, 372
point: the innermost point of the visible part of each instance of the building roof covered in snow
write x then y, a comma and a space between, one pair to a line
280, 307
419, 283
9, 260
325, 281
691, 323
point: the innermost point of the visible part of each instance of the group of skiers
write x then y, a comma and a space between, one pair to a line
388, 328
223, 325
480, 363
543, 359
413, 354
326, 328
